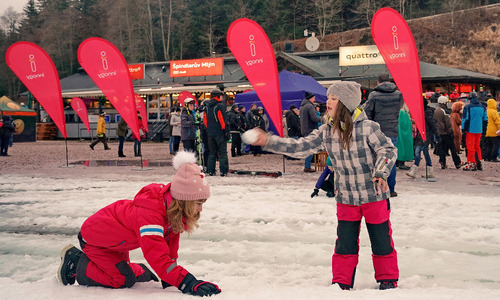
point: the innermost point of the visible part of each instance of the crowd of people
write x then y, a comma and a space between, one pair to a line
469, 122
453, 123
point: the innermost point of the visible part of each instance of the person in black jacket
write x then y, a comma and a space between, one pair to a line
236, 125
6, 129
257, 121
431, 132
293, 122
383, 106
309, 121
216, 121
188, 125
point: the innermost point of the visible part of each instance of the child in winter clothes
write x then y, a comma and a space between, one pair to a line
492, 140
152, 221
456, 123
423, 146
325, 181
362, 158
101, 132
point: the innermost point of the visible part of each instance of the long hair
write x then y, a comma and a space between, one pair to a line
343, 124
178, 211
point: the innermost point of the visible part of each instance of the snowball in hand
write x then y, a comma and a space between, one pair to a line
250, 136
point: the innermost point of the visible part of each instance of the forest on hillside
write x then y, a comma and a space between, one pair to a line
163, 30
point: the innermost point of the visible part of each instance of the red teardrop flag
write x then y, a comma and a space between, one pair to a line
252, 49
79, 107
37, 71
395, 42
107, 67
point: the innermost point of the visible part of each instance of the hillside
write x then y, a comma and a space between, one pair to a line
467, 39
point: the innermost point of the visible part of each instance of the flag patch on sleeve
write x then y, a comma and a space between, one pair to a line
151, 230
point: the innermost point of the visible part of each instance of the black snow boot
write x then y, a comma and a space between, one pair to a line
478, 163
70, 255
386, 285
146, 276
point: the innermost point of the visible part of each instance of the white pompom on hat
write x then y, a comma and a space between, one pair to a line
189, 182
348, 92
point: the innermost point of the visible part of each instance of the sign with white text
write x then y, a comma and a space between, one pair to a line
136, 71
196, 67
360, 56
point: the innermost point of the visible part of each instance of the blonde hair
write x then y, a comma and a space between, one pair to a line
182, 215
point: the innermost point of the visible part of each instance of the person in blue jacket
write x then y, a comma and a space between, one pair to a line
472, 123
326, 181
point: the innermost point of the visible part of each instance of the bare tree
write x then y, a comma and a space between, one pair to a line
241, 10
10, 21
326, 12
181, 25
211, 36
402, 6
129, 28
368, 9
452, 6
162, 32
152, 56
170, 12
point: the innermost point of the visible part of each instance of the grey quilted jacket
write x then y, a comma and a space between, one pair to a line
371, 154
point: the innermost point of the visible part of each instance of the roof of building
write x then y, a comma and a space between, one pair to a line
322, 65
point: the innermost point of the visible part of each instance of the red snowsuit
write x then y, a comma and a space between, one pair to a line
113, 231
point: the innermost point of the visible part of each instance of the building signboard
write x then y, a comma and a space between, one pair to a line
136, 71
359, 56
196, 67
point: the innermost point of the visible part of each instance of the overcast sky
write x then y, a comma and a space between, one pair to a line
16, 4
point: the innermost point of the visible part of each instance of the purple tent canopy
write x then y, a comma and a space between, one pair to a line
293, 87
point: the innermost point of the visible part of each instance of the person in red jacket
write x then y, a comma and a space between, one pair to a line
152, 221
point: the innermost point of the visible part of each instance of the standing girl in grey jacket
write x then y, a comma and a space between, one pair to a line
362, 158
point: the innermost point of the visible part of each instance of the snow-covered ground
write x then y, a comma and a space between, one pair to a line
262, 238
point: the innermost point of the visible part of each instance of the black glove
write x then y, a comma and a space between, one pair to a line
227, 136
315, 193
191, 285
165, 284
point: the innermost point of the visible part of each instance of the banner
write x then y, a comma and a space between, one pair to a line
397, 46
136, 71
252, 49
79, 107
37, 71
107, 67
196, 67
141, 108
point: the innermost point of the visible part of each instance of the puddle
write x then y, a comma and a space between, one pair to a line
122, 163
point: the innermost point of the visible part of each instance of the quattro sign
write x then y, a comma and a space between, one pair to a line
359, 56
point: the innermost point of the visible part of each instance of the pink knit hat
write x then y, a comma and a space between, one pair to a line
189, 183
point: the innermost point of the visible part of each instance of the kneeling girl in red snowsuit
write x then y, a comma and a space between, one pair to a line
152, 221
362, 158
